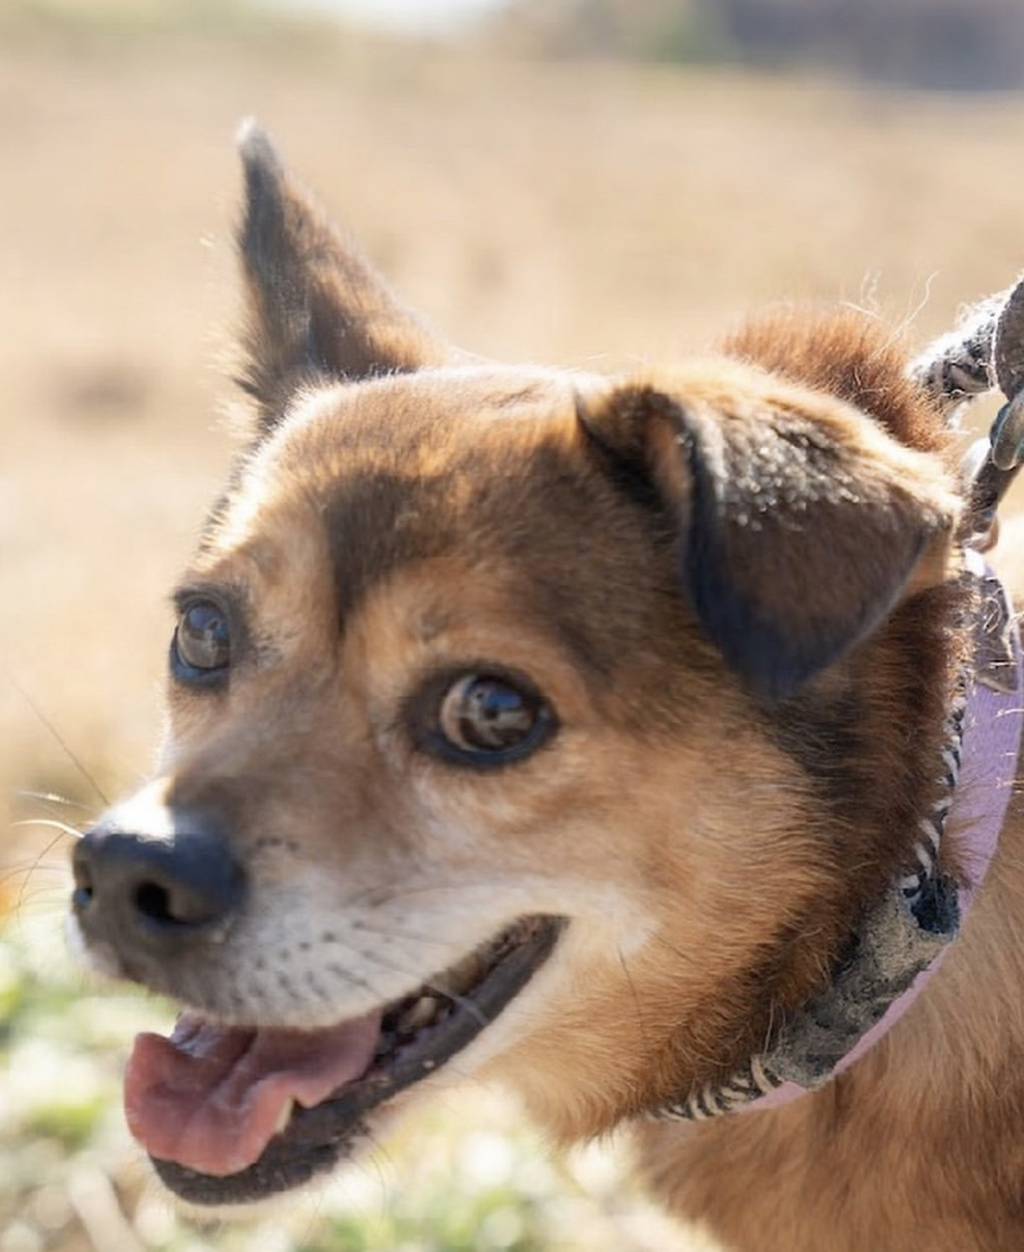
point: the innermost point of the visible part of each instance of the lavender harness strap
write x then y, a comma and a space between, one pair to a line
902, 941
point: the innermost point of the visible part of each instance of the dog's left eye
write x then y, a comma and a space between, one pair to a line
202, 642
489, 720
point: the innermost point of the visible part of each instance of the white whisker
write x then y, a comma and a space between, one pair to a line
50, 797
51, 823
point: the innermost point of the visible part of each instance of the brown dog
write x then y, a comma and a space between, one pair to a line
571, 725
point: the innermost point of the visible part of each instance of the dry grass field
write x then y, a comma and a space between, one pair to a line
601, 214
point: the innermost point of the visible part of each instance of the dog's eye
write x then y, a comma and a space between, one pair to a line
489, 719
202, 641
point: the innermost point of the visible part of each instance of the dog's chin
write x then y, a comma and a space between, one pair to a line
196, 1081
211, 1211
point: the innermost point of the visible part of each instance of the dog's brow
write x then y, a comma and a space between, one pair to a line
234, 595
374, 526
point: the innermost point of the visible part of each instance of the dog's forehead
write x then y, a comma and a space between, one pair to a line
410, 415
415, 426
379, 474
487, 476
406, 428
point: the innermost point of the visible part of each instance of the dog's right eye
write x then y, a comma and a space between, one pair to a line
488, 720
202, 643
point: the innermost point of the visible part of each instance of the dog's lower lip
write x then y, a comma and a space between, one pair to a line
315, 1139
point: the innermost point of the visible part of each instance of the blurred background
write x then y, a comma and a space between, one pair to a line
599, 182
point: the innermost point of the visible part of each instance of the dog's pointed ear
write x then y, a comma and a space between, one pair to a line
315, 308
800, 523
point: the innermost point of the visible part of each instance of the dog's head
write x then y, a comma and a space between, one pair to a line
514, 719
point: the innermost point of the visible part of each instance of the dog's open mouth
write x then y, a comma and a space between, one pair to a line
232, 1115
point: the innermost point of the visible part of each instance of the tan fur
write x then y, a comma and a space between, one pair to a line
712, 847
919, 1145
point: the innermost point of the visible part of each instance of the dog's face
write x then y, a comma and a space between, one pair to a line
472, 764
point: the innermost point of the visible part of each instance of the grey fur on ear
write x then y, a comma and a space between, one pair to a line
316, 309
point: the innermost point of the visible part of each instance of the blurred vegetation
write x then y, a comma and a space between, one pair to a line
971, 45
938, 44
198, 16
645, 30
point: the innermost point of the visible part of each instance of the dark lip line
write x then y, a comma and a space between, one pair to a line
317, 1138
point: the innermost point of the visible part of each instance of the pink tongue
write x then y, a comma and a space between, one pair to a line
212, 1097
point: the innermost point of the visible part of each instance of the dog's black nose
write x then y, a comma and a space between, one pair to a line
130, 888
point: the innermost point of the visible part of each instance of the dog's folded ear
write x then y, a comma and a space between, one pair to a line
315, 309
800, 523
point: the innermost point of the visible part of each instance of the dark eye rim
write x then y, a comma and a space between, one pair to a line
193, 675
423, 711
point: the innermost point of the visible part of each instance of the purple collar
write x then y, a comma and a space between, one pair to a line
902, 942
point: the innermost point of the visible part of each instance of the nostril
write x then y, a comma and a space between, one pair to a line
175, 904
154, 901
81, 898
81, 895
133, 887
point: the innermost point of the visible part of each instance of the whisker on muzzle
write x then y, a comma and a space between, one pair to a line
64, 745
50, 823
395, 932
384, 893
64, 831
52, 798
461, 1001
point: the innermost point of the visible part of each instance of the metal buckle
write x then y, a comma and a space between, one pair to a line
1007, 434
990, 466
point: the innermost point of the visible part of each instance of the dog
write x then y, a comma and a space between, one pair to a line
572, 726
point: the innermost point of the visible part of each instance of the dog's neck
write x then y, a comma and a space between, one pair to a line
884, 1155
979, 765
945, 1075
904, 936
981, 982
